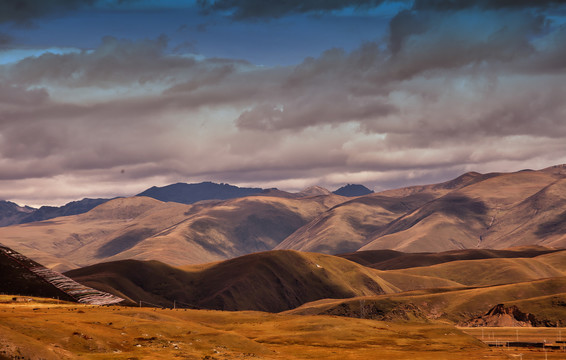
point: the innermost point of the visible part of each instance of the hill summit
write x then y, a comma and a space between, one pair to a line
190, 193
352, 190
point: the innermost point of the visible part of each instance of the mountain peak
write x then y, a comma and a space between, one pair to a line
314, 191
190, 193
352, 190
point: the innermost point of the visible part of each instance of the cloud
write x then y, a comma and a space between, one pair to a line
5, 40
258, 9
23, 11
115, 61
448, 5
426, 41
468, 89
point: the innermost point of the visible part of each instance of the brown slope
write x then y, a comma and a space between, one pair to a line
237, 227
539, 219
346, 226
269, 281
466, 217
350, 225
16, 278
487, 271
20, 275
440, 189
72, 241
144, 228
544, 298
391, 260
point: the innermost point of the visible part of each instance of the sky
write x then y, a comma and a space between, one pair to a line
104, 98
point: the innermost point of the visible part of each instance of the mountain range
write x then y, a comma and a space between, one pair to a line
473, 211
12, 214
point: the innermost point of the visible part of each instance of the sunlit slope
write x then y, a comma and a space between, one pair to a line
234, 228
457, 214
454, 304
539, 219
94, 236
144, 228
88, 238
500, 211
487, 271
269, 281
346, 226
391, 260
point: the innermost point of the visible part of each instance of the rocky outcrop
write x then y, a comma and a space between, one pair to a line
500, 315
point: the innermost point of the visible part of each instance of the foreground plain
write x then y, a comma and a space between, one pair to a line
41, 329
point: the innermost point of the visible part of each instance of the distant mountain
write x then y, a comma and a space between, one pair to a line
352, 190
72, 208
148, 229
494, 211
313, 191
12, 213
190, 193
473, 211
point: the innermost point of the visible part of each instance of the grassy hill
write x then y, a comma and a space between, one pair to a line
270, 281
391, 260
544, 298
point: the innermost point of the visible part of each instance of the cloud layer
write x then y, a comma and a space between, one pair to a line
452, 87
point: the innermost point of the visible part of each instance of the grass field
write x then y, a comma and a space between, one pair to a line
501, 335
51, 330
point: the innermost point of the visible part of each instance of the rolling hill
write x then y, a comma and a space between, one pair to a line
391, 260
277, 281
269, 281
544, 298
536, 284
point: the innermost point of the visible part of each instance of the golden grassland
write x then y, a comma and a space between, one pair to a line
42, 329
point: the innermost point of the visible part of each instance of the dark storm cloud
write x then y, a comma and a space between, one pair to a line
443, 5
5, 39
115, 61
421, 41
257, 9
120, 62
23, 11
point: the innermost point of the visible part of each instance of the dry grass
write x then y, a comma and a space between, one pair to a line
69, 331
